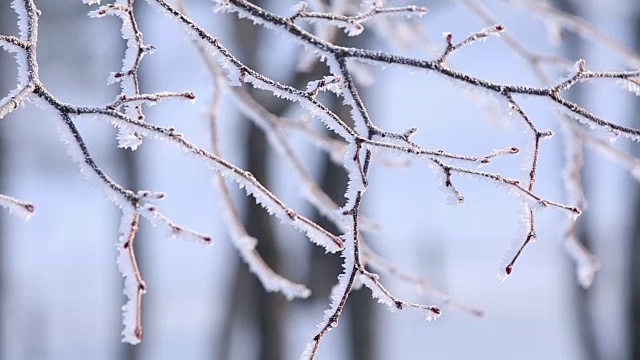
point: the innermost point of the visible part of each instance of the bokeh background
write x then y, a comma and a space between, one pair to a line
61, 293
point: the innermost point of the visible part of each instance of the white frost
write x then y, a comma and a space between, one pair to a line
127, 270
18, 207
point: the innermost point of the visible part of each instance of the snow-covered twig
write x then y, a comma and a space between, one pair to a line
21, 208
244, 243
353, 24
383, 266
587, 265
340, 54
473, 38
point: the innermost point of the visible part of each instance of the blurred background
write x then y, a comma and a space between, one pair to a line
60, 290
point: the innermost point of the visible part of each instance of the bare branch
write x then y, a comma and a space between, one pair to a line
353, 24
21, 208
383, 266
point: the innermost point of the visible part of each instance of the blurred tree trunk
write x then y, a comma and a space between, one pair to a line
583, 299
269, 306
248, 296
130, 165
633, 302
359, 316
265, 310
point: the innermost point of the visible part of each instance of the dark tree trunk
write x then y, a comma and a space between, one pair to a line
130, 162
268, 308
583, 299
360, 316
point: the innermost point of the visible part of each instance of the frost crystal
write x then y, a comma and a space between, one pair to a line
630, 85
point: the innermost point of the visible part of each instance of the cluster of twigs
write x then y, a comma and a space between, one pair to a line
358, 147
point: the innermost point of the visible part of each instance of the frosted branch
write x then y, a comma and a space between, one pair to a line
383, 295
128, 76
586, 264
383, 266
25, 49
286, 26
245, 244
134, 285
21, 208
353, 24
12, 102
150, 99
473, 38
131, 204
366, 137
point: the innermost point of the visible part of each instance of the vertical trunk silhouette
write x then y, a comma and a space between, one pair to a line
248, 299
130, 163
269, 306
265, 310
583, 299
360, 310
